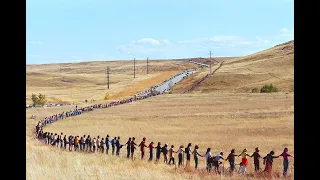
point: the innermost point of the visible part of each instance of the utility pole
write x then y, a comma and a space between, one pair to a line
147, 65
108, 75
210, 63
134, 67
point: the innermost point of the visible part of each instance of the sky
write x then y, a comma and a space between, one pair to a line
59, 31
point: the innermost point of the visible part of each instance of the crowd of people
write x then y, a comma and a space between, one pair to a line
99, 144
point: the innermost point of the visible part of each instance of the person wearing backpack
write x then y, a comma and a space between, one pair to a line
113, 144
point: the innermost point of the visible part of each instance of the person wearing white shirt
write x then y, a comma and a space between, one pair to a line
208, 162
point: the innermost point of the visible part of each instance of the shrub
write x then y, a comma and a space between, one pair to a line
268, 89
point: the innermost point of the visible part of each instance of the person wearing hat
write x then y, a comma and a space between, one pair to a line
244, 160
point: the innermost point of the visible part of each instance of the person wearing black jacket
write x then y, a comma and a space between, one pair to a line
118, 146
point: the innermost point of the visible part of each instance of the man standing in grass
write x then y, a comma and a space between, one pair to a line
142, 146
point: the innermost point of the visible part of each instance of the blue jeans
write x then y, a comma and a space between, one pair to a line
285, 166
232, 165
151, 156
196, 161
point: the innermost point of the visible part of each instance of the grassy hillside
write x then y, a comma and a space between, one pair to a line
272, 66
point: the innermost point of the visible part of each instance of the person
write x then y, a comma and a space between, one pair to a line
128, 143
133, 147
268, 161
118, 146
113, 144
164, 150
171, 155
102, 145
94, 144
142, 145
208, 161
216, 162
196, 155
158, 151
98, 144
231, 159
107, 144
180, 156
256, 159
244, 160
285, 156
88, 144
151, 151
188, 153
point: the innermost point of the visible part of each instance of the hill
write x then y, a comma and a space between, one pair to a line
272, 66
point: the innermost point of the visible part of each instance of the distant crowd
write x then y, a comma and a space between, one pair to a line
99, 144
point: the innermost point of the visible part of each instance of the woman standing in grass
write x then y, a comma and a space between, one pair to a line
165, 153
208, 162
180, 155
196, 155
285, 156
268, 161
151, 151
244, 160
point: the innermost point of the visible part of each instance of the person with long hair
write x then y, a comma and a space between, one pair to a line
208, 156
244, 160
268, 161
196, 155
285, 156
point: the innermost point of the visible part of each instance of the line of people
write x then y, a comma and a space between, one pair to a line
92, 145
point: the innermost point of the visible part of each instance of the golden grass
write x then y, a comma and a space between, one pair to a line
221, 121
272, 66
87, 80
225, 117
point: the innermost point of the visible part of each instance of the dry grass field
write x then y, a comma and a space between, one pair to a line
242, 74
220, 114
87, 80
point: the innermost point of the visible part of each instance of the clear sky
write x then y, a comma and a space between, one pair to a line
85, 30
